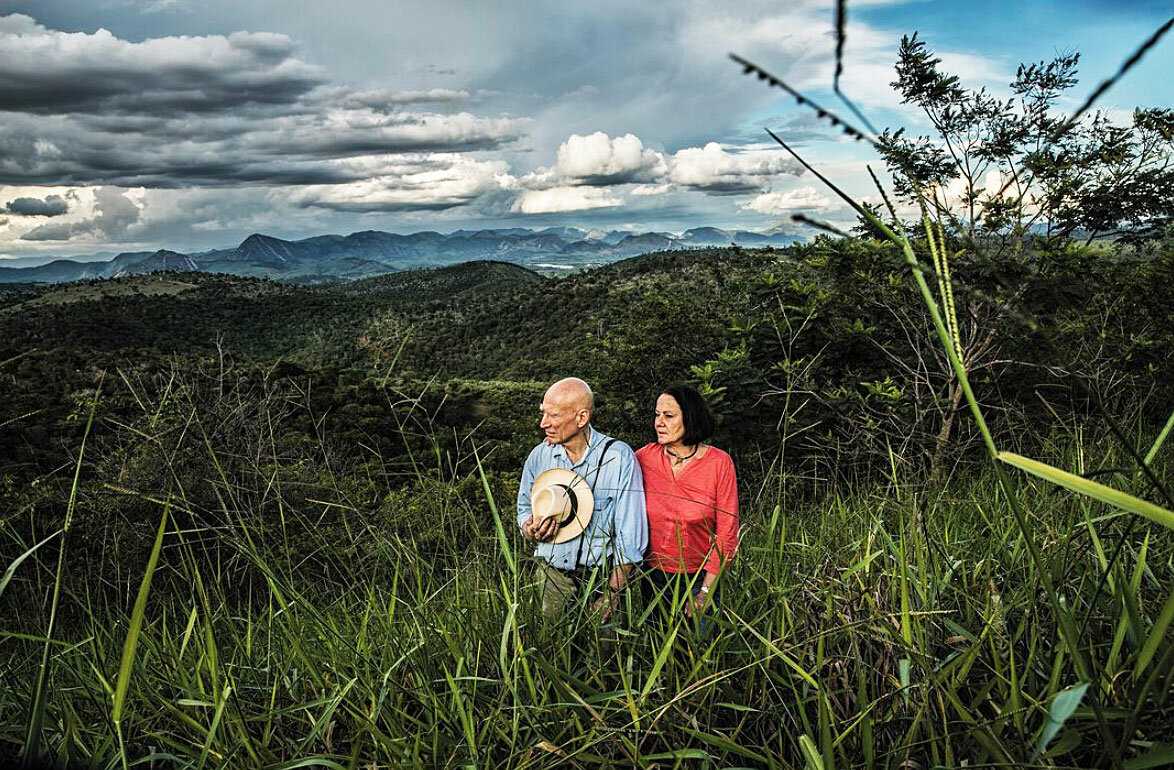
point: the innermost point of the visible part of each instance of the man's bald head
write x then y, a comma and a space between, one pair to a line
573, 392
566, 411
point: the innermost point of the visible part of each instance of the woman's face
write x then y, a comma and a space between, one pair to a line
669, 425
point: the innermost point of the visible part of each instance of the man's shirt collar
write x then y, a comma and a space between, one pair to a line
593, 436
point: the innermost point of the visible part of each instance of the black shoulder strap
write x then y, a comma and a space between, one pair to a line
599, 462
591, 484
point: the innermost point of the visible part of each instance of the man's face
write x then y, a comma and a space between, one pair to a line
562, 420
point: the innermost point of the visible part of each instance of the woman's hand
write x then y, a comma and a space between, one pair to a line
606, 605
697, 604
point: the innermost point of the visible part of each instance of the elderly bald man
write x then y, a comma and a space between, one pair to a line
618, 531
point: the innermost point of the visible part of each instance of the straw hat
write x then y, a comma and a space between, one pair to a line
563, 494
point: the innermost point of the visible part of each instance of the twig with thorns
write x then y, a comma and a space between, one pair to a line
749, 67
841, 39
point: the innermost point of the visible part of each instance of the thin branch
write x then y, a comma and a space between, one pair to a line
884, 195
1105, 85
850, 130
819, 225
841, 39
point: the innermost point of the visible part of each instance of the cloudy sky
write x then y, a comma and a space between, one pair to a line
141, 124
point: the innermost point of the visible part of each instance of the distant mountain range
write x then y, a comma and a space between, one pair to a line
372, 252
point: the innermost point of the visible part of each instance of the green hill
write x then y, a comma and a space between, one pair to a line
443, 284
826, 341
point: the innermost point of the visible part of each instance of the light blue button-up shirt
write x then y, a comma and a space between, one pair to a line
619, 504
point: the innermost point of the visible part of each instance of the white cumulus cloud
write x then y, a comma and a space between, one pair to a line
598, 158
599, 161
651, 189
715, 170
397, 183
801, 199
558, 199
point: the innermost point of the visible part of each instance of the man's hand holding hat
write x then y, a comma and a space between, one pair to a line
541, 530
561, 503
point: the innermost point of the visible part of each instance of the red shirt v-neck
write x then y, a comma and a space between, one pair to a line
692, 518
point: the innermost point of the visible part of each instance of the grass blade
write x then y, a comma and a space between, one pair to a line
8, 573
1156, 635
502, 540
211, 735
1161, 439
1159, 756
658, 664
1063, 706
676, 755
32, 738
126, 666
810, 753
725, 744
1092, 489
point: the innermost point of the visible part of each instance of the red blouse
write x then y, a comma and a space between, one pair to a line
692, 518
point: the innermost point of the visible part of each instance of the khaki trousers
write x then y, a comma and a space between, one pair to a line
559, 588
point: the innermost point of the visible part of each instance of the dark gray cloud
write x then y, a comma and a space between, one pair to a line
148, 151
359, 206
388, 98
51, 206
55, 231
114, 211
48, 71
222, 110
231, 151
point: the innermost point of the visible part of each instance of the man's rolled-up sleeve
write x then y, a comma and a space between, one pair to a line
529, 473
631, 518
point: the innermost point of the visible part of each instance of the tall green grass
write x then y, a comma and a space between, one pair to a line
882, 628
1086, 664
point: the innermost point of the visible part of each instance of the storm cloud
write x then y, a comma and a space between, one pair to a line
50, 206
216, 110
48, 71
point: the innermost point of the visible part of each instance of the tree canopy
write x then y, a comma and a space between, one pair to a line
1016, 169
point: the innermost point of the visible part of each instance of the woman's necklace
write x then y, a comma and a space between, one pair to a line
679, 459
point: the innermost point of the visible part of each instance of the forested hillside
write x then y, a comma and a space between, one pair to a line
824, 341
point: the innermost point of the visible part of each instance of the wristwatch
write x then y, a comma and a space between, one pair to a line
704, 588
